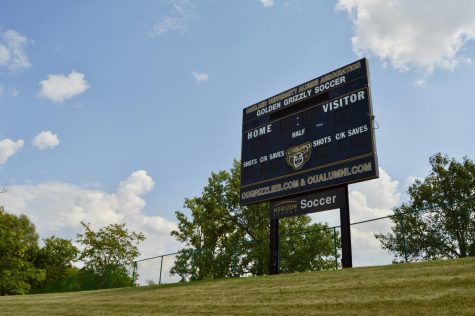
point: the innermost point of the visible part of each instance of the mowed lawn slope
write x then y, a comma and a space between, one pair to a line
430, 288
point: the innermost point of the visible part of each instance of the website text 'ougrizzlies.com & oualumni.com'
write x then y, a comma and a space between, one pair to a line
309, 180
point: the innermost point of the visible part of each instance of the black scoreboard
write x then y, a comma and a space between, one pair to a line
316, 135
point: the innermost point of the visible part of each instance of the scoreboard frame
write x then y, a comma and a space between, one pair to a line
317, 135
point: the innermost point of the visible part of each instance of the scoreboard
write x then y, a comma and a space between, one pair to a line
317, 135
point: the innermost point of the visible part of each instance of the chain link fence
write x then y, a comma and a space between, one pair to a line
155, 270
366, 250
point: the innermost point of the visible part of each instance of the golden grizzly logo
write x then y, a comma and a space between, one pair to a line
297, 156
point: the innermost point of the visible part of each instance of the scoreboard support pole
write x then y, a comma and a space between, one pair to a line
274, 247
346, 256
345, 230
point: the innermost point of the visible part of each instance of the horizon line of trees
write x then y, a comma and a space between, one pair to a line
25, 267
223, 239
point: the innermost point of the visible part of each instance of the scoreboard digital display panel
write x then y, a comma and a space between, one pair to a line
316, 135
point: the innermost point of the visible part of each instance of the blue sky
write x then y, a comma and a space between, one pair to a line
118, 110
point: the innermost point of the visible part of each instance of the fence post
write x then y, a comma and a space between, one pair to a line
336, 248
160, 277
134, 273
403, 232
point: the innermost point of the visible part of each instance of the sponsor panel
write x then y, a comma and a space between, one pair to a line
308, 203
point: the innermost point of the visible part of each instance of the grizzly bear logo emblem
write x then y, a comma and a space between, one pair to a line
297, 156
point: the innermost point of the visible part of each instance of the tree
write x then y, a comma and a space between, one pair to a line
223, 239
56, 259
439, 219
107, 254
18, 247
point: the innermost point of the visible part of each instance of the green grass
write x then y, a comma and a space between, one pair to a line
430, 288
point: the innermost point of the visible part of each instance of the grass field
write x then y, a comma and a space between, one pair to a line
431, 288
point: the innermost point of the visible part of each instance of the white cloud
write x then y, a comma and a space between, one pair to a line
420, 82
267, 3
57, 208
368, 200
130, 191
200, 76
45, 139
13, 55
380, 195
168, 23
59, 87
4, 91
406, 34
180, 16
9, 148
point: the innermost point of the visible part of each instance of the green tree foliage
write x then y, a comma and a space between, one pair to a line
56, 258
313, 250
107, 254
224, 239
18, 248
25, 268
439, 220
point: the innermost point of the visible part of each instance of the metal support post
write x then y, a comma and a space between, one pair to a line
161, 265
346, 257
336, 248
274, 247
